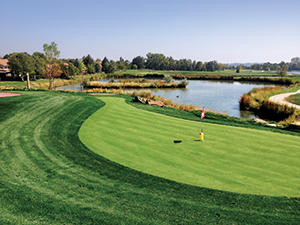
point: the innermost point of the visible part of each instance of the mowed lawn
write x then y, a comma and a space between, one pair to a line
230, 158
48, 176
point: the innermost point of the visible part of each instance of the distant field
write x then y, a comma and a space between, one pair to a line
231, 159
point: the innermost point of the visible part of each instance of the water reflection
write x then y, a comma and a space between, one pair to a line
221, 96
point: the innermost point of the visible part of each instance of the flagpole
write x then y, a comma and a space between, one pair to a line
202, 117
201, 138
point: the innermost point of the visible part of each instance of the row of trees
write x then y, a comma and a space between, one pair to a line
156, 61
293, 65
49, 65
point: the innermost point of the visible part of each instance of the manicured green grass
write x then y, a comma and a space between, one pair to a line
231, 159
296, 79
13, 83
21, 84
294, 99
47, 176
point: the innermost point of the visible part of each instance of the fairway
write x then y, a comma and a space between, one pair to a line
231, 158
48, 176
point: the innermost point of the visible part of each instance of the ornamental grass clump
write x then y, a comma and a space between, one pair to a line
184, 82
145, 94
168, 102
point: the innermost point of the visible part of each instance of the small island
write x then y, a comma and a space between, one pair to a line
137, 83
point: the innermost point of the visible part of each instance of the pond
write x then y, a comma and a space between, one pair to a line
294, 72
221, 96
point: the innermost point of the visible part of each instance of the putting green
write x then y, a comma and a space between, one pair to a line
230, 158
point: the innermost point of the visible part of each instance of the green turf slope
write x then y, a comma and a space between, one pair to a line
48, 176
230, 158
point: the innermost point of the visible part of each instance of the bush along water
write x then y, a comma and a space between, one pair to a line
257, 101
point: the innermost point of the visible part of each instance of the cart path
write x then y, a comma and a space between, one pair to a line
281, 99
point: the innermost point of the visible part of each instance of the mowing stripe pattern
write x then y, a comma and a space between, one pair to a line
231, 159
47, 176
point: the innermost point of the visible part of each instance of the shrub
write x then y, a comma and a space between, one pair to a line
184, 82
245, 102
168, 79
86, 82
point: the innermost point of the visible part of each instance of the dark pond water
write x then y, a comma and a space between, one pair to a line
221, 96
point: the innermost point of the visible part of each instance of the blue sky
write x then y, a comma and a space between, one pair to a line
224, 30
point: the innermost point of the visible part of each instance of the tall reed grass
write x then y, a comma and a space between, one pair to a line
135, 84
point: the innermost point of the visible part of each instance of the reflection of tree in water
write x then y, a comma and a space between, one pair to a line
247, 114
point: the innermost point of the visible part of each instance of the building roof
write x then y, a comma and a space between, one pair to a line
4, 66
4, 62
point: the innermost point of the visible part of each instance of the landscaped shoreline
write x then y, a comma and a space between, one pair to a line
258, 100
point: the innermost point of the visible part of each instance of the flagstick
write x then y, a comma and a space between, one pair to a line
202, 125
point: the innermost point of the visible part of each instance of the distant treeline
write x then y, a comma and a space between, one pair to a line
153, 61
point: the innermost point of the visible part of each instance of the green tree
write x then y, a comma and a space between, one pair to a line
212, 66
172, 63
105, 60
199, 66
113, 65
282, 69
88, 60
52, 68
139, 61
295, 59
108, 68
21, 64
194, 65
156, 61
81, 67
97, 68
90, 69
39, 62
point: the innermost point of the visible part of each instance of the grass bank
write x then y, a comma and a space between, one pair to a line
47, 176
294, 99
258, 101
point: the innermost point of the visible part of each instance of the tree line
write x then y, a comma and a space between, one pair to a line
155, 61
293, 65
48, 64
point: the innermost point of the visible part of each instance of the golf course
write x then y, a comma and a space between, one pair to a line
230, 158
74, 158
